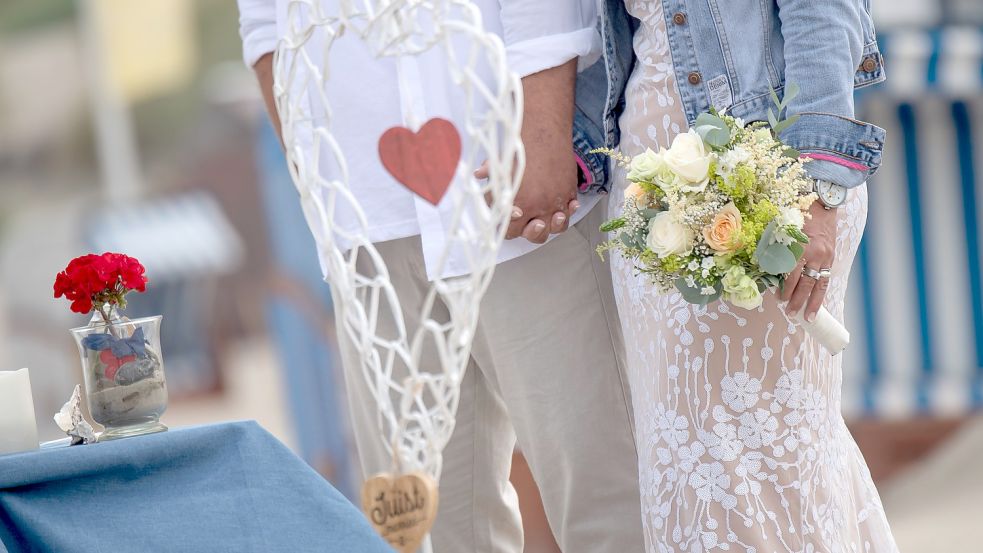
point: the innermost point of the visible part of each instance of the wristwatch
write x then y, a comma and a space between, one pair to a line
831, 195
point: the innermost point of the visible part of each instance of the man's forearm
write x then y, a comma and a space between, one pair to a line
549, 185
264, 74
548, 98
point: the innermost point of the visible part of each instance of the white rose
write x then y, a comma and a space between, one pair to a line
667, 237
688, 160
646, 166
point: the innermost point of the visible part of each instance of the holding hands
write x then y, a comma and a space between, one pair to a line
551, 199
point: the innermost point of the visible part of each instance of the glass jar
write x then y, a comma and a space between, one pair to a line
124, 374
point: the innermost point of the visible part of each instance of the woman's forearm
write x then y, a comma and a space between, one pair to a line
823, 47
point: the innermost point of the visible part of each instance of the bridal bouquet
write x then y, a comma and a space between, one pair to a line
719, 215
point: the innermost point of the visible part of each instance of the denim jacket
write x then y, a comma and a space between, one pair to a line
728, 54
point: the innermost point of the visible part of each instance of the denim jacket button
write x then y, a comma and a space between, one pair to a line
869, 65
679, 18
695, 78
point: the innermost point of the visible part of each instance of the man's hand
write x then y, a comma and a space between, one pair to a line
548, 194
801, 289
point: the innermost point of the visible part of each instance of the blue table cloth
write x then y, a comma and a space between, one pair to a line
228, 487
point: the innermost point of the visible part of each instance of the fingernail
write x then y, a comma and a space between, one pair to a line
538, 226
811, 317
575, 205
516, 213
560, 219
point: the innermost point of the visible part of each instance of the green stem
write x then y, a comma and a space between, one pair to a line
104, 311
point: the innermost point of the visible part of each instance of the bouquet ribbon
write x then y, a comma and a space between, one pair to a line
826, 330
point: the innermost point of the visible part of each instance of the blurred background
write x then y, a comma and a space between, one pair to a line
134, 127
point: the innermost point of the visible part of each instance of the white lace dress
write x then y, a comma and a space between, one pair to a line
742, 446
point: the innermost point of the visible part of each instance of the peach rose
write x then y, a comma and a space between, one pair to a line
636, 193
722, 233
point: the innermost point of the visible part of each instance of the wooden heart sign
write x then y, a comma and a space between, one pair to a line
424, 161
402, 509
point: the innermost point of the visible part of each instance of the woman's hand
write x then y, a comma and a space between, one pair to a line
805, 290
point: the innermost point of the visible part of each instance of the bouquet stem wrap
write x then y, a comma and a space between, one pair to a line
826, 330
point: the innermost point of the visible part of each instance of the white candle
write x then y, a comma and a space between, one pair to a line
18, 429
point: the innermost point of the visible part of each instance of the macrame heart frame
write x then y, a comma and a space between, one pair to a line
417, 405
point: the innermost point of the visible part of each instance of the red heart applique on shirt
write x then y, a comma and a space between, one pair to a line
424, 161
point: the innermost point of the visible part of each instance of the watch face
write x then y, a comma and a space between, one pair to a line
833, 195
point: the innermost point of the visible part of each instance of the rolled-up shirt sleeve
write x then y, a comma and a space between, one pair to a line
257, 27
542, 34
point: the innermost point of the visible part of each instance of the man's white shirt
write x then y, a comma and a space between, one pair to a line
369, 95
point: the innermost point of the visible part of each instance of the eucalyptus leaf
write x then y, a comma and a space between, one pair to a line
717, 138
692, 294
775, 259
797, 250
764, 282
767, 236
792, 153
627, 240
774, 98
713, 130
772, 119
711, 120
771, 281
791, 91
649, 212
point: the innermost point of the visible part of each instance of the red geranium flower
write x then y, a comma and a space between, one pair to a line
97, 281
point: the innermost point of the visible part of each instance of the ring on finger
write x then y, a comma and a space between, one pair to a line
825, 273
812, 273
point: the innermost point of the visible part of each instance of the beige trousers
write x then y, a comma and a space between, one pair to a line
546, 371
